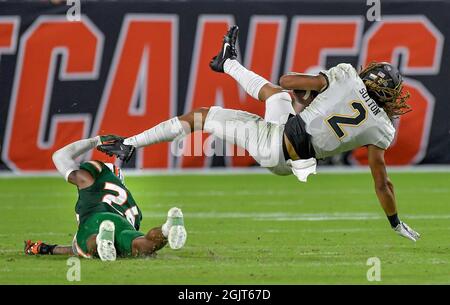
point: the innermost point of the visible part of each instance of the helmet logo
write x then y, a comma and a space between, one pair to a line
373, 76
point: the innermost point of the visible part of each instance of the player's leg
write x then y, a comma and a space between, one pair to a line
97, 240
249, 131
244, 129
172, 232
262, 139
225, 62
91, 244
169, 130
147, 245
105, 240
214, 120
278, 108
41, 248
99, 235
63, 250
279, 104
173, 229
255, 85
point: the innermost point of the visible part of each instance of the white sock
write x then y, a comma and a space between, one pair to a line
250, 81
173, 212
163, 132
165, 228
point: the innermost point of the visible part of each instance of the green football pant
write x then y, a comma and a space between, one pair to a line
124, 233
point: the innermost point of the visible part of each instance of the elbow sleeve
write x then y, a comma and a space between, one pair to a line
63, 164
64, 158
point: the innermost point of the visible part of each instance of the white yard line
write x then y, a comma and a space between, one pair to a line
221, 193
37, 234
296, 216
244, 171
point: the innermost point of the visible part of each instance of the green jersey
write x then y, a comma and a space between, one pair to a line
107, 194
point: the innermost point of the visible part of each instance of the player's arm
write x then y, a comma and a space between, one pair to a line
385, 192
66, 164
298, 81
383, 186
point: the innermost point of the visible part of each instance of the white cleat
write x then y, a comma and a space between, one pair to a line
177, 232
105, 241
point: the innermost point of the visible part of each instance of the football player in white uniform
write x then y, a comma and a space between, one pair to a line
347, 110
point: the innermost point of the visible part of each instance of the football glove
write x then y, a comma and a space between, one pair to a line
35, 248
110, 138
113, 146
404, 230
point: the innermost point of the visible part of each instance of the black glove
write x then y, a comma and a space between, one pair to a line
113, 146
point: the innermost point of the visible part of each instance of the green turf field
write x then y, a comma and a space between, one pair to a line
244, 229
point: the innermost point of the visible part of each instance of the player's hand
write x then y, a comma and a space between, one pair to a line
107, 141
404, 230
110, 139
112, 145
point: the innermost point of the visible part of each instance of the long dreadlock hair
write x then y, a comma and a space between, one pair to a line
392, 100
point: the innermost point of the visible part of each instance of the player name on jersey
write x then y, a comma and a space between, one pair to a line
373, 106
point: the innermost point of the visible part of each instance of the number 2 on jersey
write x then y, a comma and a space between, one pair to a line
120, 199
336, 121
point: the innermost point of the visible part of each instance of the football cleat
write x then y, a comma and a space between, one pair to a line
117, 148
105, 241
404, 230
32, 248
35, 248
228, 50
177, 232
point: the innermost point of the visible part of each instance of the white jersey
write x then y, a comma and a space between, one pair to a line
344, 117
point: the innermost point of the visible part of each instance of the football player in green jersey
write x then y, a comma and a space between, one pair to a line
107, 214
